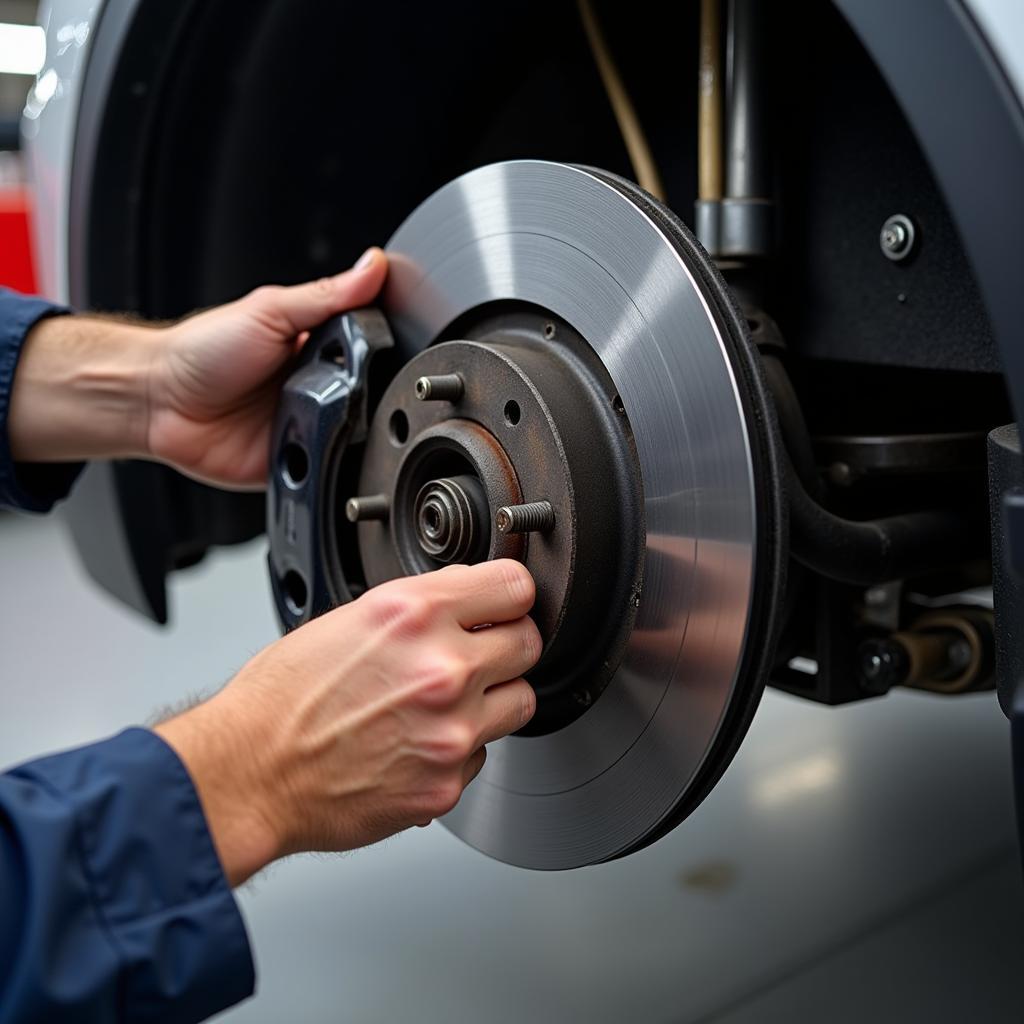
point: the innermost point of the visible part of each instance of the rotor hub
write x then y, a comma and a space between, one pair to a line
511, 442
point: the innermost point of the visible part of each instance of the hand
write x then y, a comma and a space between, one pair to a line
214, 389
365, 721
199, 395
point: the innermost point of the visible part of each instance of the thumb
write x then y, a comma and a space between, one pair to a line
302, 306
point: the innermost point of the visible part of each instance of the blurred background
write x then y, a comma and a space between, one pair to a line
21, 56
855, 864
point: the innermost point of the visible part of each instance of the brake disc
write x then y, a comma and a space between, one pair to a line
568, 383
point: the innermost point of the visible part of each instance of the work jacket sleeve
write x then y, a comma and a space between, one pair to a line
32, 487
113, 902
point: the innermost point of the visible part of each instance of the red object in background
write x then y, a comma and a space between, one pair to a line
17, 269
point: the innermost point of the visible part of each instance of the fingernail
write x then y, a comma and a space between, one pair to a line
366, 259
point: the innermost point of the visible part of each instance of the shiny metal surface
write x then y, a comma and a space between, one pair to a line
562, 238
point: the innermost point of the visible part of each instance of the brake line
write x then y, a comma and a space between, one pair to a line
640, 157
710, 168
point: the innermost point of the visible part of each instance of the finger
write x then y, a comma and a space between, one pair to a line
471, 769
302, 306
498, 591
507, 708
504, 652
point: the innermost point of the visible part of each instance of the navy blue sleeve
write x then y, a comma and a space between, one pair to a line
113, 902
30, 487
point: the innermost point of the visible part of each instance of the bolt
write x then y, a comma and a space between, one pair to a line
894, 237
446, 387
533, 517
374, 506
897, 237
884, 663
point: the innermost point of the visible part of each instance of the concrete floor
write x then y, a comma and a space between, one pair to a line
854, 864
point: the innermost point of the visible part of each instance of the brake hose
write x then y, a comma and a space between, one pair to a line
640, 157
851, 551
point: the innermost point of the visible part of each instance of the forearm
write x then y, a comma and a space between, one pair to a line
233, 777
81, 390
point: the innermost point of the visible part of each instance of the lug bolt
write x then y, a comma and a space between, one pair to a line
533, 517
446, 387
359, 510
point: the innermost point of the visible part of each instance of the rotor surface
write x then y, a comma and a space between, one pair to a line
607, 260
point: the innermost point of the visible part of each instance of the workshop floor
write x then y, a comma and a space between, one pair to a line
854, 864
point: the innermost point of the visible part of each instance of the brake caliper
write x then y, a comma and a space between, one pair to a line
322, 422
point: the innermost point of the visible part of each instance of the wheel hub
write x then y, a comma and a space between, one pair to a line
511, 443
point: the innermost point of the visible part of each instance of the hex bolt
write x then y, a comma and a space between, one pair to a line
897, 237
360, 510
445, 387
533, 517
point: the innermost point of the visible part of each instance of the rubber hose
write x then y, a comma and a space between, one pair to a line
877, 550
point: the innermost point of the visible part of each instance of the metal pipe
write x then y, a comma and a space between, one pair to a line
710, 173
747, 210
746, 175
710, 153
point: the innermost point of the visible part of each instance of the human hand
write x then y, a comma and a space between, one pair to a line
365, 721
214, 387
199, 395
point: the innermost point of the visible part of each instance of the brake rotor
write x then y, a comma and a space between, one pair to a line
558, 375
672, 541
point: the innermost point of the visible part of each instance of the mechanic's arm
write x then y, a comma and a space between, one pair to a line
199, 395
370, 719
114, 873
365, 721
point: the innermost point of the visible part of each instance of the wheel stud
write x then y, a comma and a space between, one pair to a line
446, 387
533, 517
358, 510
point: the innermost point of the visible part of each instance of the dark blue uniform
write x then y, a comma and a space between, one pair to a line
113, 904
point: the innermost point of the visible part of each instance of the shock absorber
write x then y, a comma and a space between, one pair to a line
735, 209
